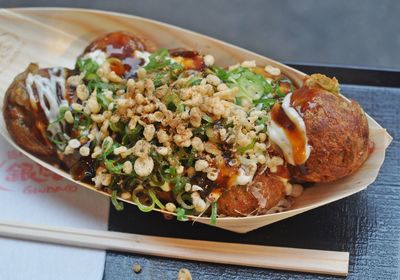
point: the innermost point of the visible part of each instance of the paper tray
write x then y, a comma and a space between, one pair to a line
55, 37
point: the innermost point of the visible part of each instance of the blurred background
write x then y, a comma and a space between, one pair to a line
343, 32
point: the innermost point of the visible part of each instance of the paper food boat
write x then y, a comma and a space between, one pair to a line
55, 37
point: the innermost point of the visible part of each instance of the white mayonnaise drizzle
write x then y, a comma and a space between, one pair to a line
51, 94
143, 55
278, 136
97, 56
242, 178
246, 173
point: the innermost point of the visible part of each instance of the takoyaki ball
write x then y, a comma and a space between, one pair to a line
337, 131
120, 44
25, 119
121, 51
264, 193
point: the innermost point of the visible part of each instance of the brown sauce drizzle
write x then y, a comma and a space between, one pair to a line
227, 175
189, 59
302, 98
293, 133
122, 46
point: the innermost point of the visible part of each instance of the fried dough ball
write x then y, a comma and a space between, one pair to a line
264, 193
337, 131
26, 124
120, 43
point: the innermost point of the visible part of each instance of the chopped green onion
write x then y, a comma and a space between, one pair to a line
250, 146
111, 167
117, 127
213, 213
181, 214
89, 67
59, 140
119, 206
221, 73
142, 207
155, 199
179, 184
132, 136
266, 102
158, 60
103, 101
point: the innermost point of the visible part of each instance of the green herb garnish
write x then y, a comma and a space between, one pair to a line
213, 213
158, 60
88, 66
181, 214
119, 206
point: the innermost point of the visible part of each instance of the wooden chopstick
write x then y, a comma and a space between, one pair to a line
303, 260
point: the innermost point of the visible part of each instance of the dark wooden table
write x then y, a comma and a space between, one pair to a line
366, 224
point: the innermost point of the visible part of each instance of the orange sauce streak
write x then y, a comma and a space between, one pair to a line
302, 98
293, 133
226, 176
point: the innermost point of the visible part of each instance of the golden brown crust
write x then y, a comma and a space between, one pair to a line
264, 193
337, 131
24, 125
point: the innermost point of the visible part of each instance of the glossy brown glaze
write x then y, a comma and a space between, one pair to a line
25, 119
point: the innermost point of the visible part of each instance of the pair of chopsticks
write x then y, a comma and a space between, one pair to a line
303, 260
